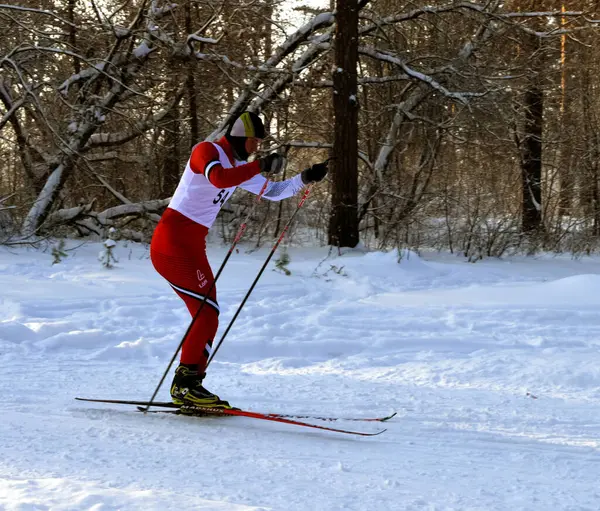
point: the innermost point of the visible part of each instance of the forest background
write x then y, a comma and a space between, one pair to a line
466, 126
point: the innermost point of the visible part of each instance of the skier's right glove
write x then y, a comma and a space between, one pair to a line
315, 173
272, 163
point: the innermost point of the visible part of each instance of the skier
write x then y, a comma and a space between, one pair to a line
178, 248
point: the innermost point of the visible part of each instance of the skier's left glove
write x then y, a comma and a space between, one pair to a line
272, 163
315, 173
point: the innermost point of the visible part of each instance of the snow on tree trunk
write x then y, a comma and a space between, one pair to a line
44, 201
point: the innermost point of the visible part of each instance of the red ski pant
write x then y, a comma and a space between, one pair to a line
178, 253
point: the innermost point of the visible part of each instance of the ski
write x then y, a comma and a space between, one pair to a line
216, 412
161, 404
169, 404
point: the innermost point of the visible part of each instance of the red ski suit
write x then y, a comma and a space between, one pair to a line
178, 248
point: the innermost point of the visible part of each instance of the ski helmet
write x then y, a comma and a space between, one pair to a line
247, 125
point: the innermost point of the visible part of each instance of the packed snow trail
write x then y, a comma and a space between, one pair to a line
454, 347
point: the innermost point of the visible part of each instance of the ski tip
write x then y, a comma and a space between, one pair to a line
377, 432
384, 419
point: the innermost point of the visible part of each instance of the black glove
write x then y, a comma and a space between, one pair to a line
315, 173
272, 163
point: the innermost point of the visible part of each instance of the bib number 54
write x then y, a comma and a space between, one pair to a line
221, 197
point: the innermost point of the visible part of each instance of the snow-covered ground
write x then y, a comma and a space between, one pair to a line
494, 369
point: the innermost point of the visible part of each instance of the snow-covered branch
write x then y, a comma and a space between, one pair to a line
114, 155
83, 75
213, 57
207, 40
489, 10
315, 50
286, 48
119, 138
378, 23
322, 145
159, 12
106, 217
383, 158
2, 199
44, 199
12, 108
540, 14
365, 80
314, 145
136, 209
65, 216
36, 11
462, 97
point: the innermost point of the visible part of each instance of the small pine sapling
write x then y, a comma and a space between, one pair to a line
58, 252
282, 262
338, 269
106, 256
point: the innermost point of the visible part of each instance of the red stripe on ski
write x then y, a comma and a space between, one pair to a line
321, 418
215, 412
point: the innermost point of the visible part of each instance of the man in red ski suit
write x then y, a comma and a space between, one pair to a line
178, 248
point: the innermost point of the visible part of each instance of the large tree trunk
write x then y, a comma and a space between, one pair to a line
343, 223
531, 156
531, 165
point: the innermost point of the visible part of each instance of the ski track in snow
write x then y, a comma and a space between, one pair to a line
493, 367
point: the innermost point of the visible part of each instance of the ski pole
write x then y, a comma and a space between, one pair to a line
237, 312
235, 241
